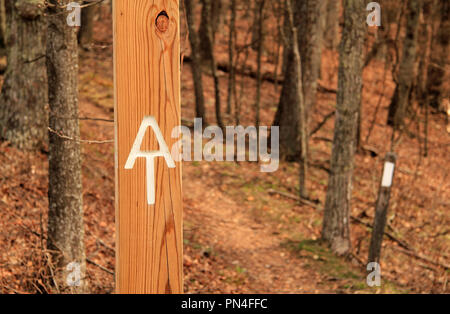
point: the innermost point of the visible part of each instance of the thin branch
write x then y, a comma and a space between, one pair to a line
387, 233
84, 119
106, 270
296, 198
47, 4
412, 253
79, 140
321, 124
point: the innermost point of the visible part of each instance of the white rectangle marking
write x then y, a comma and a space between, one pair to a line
388, 174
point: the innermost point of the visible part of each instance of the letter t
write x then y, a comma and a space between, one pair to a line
149, 156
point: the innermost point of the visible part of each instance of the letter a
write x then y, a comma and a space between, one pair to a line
149, 156
74, 17
374, 18
374, 278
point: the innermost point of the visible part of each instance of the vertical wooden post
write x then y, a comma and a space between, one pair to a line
147, 88
382, 208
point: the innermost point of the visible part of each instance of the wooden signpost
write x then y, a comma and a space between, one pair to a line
382, 208
148, 181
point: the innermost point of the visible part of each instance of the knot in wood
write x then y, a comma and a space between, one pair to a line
162, 22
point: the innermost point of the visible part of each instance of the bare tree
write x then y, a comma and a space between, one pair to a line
2, 24
231, 48
210, 22
336, 225
65, 221
196, 63
23, 118
87, 24
399, 104
260, 48
287, 116
291, 114
208, 31
310, 15
331, 35
439, 58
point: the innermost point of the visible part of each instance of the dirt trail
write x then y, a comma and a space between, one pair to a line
243, 241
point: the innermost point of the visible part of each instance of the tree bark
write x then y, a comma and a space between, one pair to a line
291, 108
65, 222
291, 115
209, 33
23, 117
200, 111
331, 36
310, 15
288, 116
336, 227
2, 24
87, 25
260, 48
231, 48
437, 73
400, 101
210, 22
216, 91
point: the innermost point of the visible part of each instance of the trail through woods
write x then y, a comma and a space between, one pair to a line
221, 232
238, 237
251, 247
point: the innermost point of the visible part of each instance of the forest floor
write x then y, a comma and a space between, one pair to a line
243, 230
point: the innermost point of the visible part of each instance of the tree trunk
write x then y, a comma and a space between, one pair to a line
260, 48
291, 115
424, 41
231, 48
209, 33
310, 15
2, 24
439, 59
206, 41
336, 227
196, 63
287, 116
217, 17
65, 221
332, 35
23, 117
87, 25
216, 91
399, 104
210, 22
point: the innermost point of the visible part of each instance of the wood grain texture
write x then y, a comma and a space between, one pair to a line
147, 83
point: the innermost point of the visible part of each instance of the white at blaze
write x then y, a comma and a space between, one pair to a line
388, 174
149, 156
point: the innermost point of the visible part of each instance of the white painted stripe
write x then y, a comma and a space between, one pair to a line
388, 174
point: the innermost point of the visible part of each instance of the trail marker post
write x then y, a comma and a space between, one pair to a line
381, 209
149, 257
